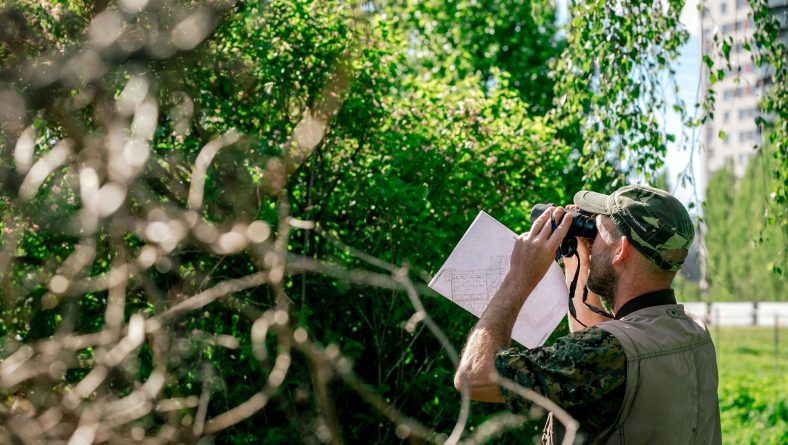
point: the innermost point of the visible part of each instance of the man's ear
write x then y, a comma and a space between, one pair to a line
622, 250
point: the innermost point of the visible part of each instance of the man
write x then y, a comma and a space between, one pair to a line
649, 374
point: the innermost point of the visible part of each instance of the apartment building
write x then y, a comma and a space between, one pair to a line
731, 136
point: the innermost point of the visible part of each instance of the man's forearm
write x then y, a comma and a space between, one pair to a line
492, 332
501, 313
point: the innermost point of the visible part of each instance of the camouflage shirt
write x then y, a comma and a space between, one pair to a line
583, 372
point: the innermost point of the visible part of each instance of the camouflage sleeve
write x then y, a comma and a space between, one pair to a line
583, 372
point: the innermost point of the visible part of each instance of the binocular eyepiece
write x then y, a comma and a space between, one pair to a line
583, 224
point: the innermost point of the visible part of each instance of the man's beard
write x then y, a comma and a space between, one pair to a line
602, 278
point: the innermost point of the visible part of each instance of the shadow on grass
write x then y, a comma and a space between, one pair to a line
747, 350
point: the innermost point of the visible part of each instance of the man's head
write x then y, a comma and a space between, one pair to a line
655, 222
657, 230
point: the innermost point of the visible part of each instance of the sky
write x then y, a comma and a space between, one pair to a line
687, 78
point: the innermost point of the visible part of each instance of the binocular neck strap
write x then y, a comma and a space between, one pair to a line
573, 287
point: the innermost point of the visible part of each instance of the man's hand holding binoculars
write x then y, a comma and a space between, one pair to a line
534, 251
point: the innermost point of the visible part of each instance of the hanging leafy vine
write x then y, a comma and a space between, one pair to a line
611, 83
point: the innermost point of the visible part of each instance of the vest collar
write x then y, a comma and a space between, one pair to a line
656, 298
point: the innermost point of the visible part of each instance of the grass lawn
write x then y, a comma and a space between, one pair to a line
753, 385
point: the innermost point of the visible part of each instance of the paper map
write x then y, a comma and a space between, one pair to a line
474, 271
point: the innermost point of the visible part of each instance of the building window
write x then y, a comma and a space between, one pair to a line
724, 7
726, 116
748, 113
742, 4
749, 136
735, 92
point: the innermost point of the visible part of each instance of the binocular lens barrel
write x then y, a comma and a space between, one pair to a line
582, 225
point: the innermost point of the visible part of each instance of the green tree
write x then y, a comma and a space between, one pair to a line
746, 258
454, 40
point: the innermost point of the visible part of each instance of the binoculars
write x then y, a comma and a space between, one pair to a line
583, 225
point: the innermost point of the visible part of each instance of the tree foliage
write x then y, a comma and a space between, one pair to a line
479, 38
772, 52
610, 82
306, 126
746, 258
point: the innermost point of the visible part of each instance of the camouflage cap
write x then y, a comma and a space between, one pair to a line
655, 222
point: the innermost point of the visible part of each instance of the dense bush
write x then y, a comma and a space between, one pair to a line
315, 110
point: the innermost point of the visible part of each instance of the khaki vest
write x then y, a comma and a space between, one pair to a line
671, 384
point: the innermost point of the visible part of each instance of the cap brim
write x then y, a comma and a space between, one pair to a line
591, 202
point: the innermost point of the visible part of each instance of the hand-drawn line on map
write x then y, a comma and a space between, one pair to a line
476, 287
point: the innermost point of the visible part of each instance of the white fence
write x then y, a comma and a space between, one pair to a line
740, 313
